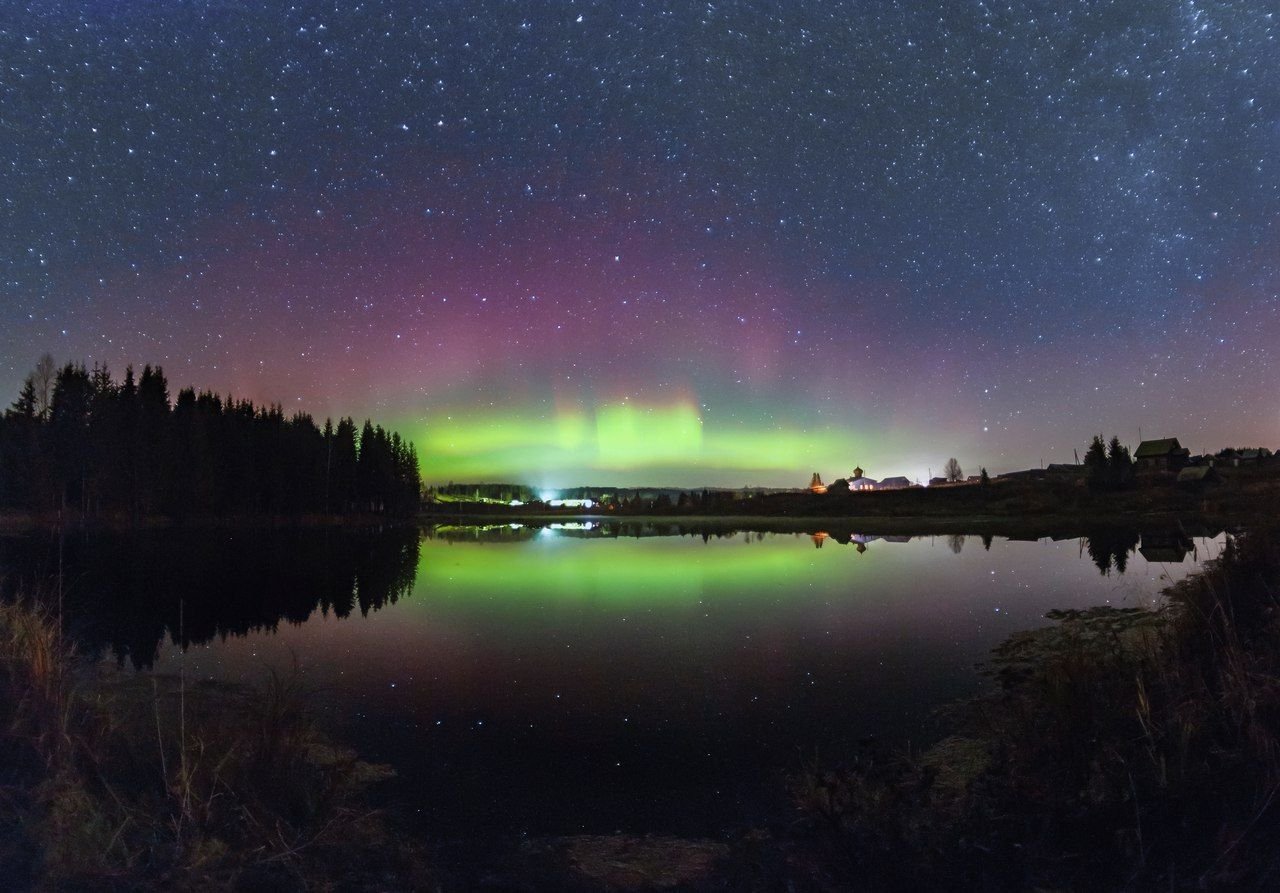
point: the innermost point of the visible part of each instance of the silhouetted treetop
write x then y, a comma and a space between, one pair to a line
124, 448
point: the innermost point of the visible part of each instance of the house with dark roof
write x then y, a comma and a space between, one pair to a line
1161, 455
1029, 474
1164, 547
894, 483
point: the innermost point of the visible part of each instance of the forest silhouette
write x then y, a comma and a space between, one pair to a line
75, 439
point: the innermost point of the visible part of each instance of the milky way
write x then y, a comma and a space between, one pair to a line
711, 243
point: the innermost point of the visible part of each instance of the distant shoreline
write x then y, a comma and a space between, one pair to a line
1024, 508
839, 528
1021, 509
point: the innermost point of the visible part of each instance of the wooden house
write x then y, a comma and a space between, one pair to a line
1161, 455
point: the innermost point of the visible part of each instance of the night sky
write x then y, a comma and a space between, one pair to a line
664, 243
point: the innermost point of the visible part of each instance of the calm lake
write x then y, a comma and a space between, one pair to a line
568, 679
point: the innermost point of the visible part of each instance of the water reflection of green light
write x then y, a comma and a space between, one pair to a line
626, 571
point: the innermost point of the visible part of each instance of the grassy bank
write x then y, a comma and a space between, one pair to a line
1116, 749
129, 782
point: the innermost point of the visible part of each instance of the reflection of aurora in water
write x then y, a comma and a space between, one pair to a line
591, 676
126, 588
638, 570
648, 563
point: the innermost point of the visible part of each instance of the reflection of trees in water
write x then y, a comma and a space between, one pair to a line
1111, 549
482, 533
955, 542
125, 593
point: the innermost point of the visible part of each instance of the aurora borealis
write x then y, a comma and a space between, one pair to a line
661, 243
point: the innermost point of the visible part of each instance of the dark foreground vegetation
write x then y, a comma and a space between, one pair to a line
77, 440
129, 782
1117, 749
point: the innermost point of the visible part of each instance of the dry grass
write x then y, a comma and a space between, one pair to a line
119, 781
1118, 748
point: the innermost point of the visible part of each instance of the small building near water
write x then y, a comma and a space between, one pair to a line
894, 483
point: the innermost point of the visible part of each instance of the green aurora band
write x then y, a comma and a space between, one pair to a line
625, 444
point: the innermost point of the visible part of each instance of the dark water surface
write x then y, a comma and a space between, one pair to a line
564, 680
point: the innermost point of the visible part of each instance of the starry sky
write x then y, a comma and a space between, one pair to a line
717, 243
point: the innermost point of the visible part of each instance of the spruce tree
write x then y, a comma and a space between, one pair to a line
1095, 463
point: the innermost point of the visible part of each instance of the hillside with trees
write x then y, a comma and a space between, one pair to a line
78, 440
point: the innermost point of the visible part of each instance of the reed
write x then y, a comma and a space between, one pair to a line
1115, 748
109, 779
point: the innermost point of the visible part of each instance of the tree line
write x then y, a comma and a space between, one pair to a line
77, 439
493, 492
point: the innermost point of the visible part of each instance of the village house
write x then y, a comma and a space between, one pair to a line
1161, 455
894, 483
1029, 474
